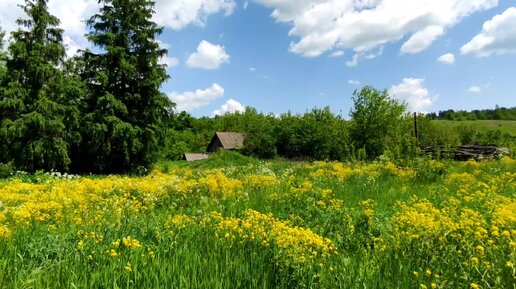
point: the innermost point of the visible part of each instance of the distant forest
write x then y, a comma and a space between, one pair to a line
499, 113
377, 129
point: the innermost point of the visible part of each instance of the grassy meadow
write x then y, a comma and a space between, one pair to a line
236, 222
504, 126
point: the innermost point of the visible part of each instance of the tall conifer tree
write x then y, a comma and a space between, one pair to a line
2, 35
125, 110
2, 55
34, 134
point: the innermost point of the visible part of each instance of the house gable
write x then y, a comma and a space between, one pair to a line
226, 140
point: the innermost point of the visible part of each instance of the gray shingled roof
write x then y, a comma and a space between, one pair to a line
231, 140
195, 157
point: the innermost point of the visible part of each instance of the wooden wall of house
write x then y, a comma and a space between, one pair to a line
214, 145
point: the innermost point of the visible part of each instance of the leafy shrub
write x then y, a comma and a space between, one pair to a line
6, 170
428, 170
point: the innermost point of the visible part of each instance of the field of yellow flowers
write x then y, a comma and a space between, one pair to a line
428, 224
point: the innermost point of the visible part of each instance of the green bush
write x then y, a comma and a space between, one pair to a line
6, 170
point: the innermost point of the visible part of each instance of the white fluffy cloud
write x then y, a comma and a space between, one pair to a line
422, 39
229, 107
177, 14
447, 58
498, 36
337, 53
353, 82
326, 25
190, 100
475, 89
174, 14
169, 61
71, 13
362, 55
208, 56
414, 93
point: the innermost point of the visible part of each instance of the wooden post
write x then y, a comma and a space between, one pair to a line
415, 128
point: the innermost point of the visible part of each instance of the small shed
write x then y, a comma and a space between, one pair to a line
226, 140
191, 157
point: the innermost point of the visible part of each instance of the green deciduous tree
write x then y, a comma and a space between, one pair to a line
259, 134
329, 135
378, 123
34, 109
124, 111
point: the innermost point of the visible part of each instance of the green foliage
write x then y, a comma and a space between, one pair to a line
450, 134
2, 54
259, 134
316, 135
182, 121
125, 114
499, 113
177, 143
35, 112
504, 126
186, 134
6, 170
224, 157
3, 58
428, 170
2, 35
431, 134
378, 123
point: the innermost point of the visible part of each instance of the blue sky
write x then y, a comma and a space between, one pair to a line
285, 55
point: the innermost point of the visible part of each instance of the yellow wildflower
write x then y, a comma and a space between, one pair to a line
428, 272
131, 243
128, 268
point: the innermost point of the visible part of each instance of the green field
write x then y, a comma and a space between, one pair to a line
505, 126
236, 222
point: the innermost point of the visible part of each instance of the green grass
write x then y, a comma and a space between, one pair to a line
217, 160
372, 251
505, 126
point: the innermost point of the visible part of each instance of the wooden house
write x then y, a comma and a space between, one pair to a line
192, 157
226, 140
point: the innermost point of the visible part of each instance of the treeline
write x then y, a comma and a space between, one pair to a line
499, 113
379, 127
100, 111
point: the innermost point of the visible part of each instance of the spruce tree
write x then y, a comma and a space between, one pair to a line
2, 35
125, 112
34, 132
3, 144
2, 55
